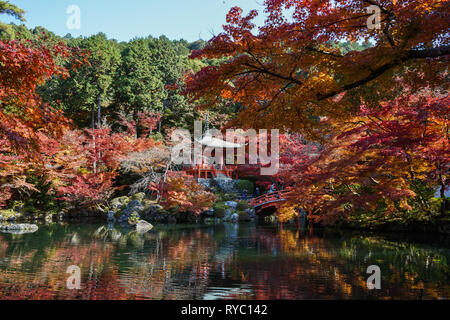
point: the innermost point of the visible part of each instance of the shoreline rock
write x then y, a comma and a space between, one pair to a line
19, 228
143, 226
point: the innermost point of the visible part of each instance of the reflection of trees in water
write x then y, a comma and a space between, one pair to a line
173, 267
218, 262
44, 275
117, 264
3, 247
34, 266
323, 268
422, 271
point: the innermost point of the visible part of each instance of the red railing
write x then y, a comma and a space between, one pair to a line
203, 171
267, 199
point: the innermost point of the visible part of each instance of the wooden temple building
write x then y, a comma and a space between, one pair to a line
210, 169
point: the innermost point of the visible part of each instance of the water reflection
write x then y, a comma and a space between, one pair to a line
217, 262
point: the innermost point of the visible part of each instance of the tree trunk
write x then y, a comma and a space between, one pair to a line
136, 121
443, 199
93, 137
99, 115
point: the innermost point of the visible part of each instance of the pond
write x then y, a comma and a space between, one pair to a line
226, 261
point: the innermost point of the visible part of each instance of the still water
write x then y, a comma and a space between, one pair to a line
220, 262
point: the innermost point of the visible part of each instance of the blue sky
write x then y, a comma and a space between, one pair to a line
124, 20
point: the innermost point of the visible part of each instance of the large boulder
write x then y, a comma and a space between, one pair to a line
231, 204
135, 205
118, 203
143, 226
132, 210
227, 216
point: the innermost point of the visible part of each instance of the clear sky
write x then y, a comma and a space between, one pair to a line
126, 19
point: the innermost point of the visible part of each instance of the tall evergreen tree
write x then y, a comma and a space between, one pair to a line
91, 87
138, 84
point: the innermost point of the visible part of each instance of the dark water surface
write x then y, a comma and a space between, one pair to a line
220, 262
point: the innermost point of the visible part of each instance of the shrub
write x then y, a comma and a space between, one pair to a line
220, 209
228, 197
185, 194
245, 185
157, 136
242, 206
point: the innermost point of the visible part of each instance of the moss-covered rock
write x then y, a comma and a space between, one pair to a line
134, 219
18, 205
5, 214
138, 196
10, 215
118, 203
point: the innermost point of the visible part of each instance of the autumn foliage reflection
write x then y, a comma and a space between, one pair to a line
222, 262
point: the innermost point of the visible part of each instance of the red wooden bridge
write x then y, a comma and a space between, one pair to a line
268, 200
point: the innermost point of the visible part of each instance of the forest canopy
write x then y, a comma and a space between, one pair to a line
363, 110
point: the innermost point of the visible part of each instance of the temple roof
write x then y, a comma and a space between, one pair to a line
211, 142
